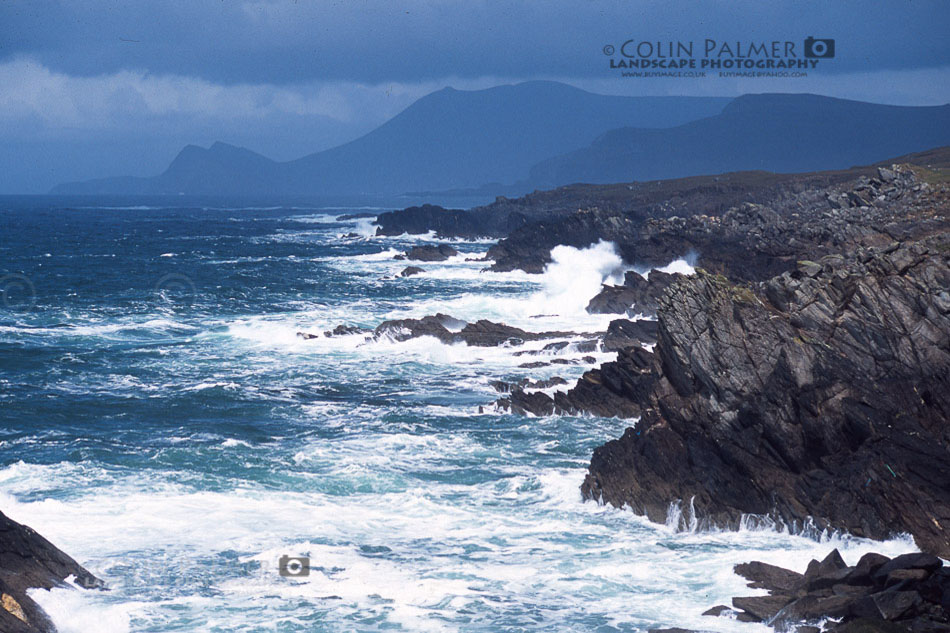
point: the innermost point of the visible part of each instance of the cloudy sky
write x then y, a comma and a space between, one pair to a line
92, 88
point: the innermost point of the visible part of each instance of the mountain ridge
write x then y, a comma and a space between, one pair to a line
780, 132
448, 139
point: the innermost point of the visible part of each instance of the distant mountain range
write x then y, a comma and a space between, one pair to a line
545, 134
773, 132
450, 139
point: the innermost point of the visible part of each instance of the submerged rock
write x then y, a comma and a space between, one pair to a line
409, 271
29, 561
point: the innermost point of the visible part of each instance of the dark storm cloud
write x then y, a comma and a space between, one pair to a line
283, 41
92, 88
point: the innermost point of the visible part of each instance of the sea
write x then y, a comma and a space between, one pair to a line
163, 423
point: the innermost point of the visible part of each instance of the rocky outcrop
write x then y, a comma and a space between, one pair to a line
340, 330
409, 271
910, 592
763, 233
29, 561
824, 393
638, 294
622, 334
429, 253
482, 333
612, 390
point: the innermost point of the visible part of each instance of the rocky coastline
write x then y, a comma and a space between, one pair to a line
800, 377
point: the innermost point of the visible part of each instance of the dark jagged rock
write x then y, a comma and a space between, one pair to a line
495, 220
28, 561
636, 295
622, 333
920, 601
425, 218
345, 330
763, 232
429, 253
828, 398
409, 271
608, 391
482, 333
340, 330
522, 402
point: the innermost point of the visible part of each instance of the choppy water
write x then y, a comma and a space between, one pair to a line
161, 421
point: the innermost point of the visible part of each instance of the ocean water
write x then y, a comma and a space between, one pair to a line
162, 422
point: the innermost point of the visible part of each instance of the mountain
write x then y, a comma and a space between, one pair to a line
772, 132
450, 139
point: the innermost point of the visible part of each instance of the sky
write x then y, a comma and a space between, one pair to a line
97, 88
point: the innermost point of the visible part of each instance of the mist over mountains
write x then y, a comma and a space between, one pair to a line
544, 134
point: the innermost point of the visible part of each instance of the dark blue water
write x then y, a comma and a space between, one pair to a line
161, 421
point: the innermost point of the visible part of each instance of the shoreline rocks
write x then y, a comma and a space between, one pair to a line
910, 592
823, 394
29, 561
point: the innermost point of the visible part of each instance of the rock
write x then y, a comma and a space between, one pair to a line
886, 175
796, 601
797, 397
772, 577
622, 333
636, 295
904, 577
344, 330
405, 329
868, 625
926, 562
719, 609
827, 573
861, 574
522, 402
340, 330
761, 607
27, 561
482, 333
428, 253
612, 390
409, 271
547, 383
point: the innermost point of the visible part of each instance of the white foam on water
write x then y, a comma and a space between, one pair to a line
683, 266
531, 537
417, 511
75, 610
